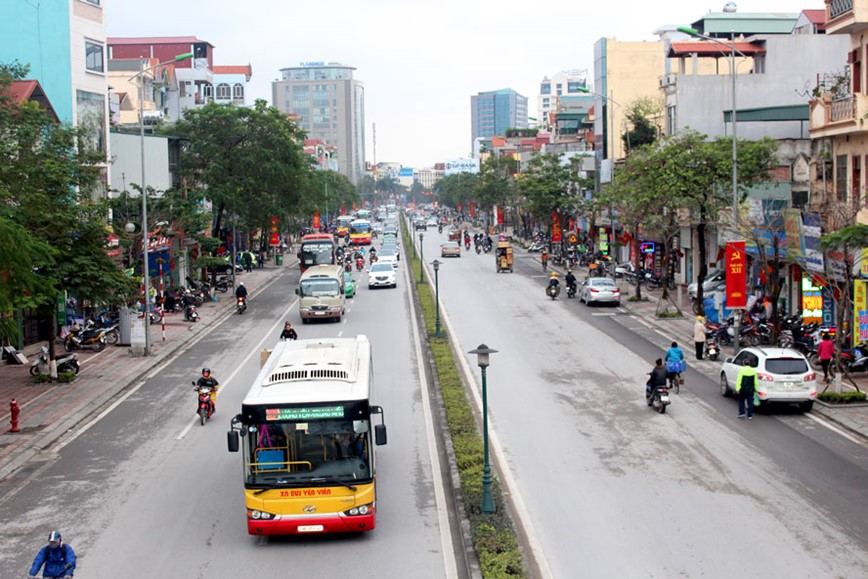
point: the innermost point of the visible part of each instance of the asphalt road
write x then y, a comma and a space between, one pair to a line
145, 491
611, 488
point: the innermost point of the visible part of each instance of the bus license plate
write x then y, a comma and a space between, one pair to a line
310, 528
319, 313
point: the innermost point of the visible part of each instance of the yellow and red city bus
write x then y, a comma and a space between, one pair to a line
306, 439
343, 228
360, 232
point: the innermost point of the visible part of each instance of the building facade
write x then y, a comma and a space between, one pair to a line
329, 104
564, 83
64, 44
493, 112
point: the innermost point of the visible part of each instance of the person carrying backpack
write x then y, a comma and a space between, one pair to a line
745, 386
57, 556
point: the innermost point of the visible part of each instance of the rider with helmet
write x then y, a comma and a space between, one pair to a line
57, 556
288, 332
571, 280
209, 381
241, 291
553, 279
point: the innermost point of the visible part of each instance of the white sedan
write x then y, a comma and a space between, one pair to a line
382, 275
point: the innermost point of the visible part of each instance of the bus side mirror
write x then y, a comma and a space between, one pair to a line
380, 434
296, 291
232, 440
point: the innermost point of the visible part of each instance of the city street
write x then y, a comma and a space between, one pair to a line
145, 491
611, 488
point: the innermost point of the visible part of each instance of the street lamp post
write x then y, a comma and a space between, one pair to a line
436, 265
421, 256
146, 238
482, 352
732, 52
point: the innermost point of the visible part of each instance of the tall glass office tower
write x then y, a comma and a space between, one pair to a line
492, 112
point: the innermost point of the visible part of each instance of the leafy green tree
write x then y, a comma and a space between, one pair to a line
496, 183
456, 189
643, 131
48, 216
552, 187
248, 160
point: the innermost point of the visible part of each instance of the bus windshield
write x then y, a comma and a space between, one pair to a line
360, 227
319, 287
310, 452
316, 253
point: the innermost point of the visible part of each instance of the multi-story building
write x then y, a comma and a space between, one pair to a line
230, 84
564, 83
427, 177
181, 85
493, 112
329, 104
64, 44
838, 111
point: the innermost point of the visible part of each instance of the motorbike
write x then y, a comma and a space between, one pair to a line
190, 313
553, 291
674, 368
440, 228
571, 290
486, 246
92, 339
241, 304
536, 247
478, 249
204, 409
67, 363
348, 266
467, 244
711, 348
659, 399
360, 264
223, 284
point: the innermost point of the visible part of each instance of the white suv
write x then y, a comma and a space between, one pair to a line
783, 375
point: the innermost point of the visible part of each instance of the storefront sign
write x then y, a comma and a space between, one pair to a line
736, 275
812, 302
812, 231
604, 240
860, 311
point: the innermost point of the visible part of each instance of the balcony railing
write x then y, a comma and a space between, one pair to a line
839, 7
843, 110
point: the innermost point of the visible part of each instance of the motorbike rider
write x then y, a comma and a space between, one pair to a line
241, 291
187, 300
288, 332
57, 556
658, 377
544, 258
673, 354
209, 381
571, 280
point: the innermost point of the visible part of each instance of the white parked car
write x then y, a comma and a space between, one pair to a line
382, 275
600, 290
783, 375
712, 280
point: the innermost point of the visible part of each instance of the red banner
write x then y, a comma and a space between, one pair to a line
557, 234
316, 219
736, 275
472, 209
500, 215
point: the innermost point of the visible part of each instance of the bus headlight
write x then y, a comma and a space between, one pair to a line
360, 510
259, 515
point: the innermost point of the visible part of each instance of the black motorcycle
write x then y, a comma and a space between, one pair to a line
67, 363
571, 290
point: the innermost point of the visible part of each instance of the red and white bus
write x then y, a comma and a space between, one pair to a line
316, 249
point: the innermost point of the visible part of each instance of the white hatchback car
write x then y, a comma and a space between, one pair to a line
382, 275
783, 375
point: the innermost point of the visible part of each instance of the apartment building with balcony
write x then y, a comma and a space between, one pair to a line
838, 113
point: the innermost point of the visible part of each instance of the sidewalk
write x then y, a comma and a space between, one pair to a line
50, 410
852, 418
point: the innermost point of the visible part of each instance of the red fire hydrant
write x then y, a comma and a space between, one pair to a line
14, 411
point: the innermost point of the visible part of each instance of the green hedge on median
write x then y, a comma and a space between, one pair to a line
494, 538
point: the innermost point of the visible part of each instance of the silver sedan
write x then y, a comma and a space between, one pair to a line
600, 290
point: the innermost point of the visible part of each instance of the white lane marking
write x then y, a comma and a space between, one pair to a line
605, 314
833, 428
433, 455
256, 350
341, 333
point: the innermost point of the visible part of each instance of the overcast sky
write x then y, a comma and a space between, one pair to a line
420, 61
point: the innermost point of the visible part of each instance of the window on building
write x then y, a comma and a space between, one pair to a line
238, 91
545, 88
94, 56
224, 91
841, 178
208, 90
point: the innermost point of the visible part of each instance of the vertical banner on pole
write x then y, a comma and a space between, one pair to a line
736, 275
163, 302
860, 312
316, 220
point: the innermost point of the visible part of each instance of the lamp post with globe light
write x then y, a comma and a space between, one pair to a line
436, 264
482, 353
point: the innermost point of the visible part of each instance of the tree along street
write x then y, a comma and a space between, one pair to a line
614, 489
145, 492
